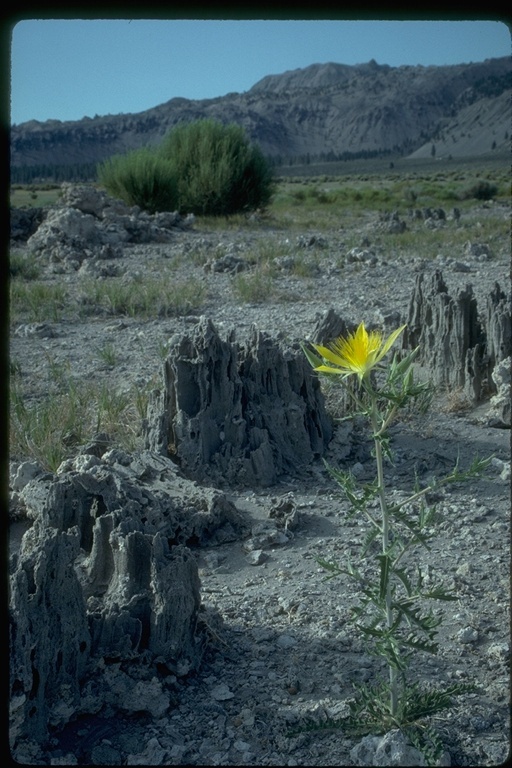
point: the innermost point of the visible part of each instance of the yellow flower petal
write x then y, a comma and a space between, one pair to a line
358, 353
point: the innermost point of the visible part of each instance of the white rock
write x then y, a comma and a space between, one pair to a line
467, 635
84, 462
26, 472
499, 650
391, 749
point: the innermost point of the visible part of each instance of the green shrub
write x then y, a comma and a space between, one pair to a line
141, 178
145, 297
219, 172
23, 266
203, 167
481, 190
36, 301
255, 288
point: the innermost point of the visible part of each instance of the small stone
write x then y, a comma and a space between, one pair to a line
464, 569
26, 472
241, 746
256, 557
459, 266
499, 650
246, 717
221, 693
83, 463
286, 641
183, 667
467, 635
390, 749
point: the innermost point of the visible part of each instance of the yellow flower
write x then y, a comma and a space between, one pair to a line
358, 353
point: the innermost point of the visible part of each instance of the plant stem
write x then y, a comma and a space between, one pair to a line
393, 678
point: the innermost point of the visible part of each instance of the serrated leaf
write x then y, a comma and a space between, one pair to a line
439, 593
402, 575
385, 564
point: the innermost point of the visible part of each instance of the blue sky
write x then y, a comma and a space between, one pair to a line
68, 69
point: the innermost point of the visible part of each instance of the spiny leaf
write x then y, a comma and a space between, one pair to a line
404, 579
439, 593
385, 564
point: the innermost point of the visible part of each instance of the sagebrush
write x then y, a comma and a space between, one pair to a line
203, 167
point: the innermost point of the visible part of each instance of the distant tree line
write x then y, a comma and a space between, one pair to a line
76, 172
35, 174
278, 161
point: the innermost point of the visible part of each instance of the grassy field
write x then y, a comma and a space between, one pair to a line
370, 184
49, 430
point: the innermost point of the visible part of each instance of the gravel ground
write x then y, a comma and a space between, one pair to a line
282, 651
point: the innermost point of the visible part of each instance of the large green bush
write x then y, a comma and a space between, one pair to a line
141, 178
203, 167
219, 171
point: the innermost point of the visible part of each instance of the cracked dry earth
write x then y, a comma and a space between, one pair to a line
283, 654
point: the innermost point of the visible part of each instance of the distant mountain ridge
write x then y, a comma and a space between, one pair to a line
325, 111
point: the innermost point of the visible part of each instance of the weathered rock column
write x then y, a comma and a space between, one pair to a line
449, 334
459, 351
103, 576
498, 330
238, 413
49, 634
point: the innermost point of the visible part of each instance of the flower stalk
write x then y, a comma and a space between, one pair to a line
377, 431
391, 615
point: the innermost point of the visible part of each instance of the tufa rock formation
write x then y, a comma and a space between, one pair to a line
104, 575
87, 225
238, 413
460, 349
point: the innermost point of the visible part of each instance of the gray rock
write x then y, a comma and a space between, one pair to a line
498, 332
103, 573
391, 749
458, 350
154, 754
330, 327
50, 638
238, 413
26, 472
221, 692
284, 511
467, 635
478, 251
84, 197
65, 225
499, 414
499, 651
130, 696
104, 754
24, 222
256, 557
88, 224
